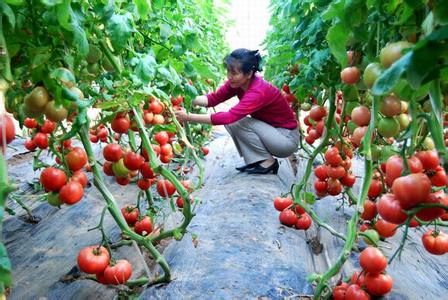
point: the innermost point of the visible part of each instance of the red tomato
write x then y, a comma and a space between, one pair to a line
372, 260
369, 210
281, 203
146, 171
350, 75
133, 161
429, 159
394, 167
144, 184
286, 89
165, 188
354, 292
112, 152
429, 214
81, 177
30, 123
317, 113
361, 116
385, 229
334, 187
379, 284
412, 189
358, 278
130, 214
321, 172
94, 138
348, 180
435, 242
205, 150
71, 193
390, 210
41, 140
29, 145
288, 217
167, 150
156, 107
119, 273
320, 186
52, 179
76, 159
93, 259
143, 226
375, 188
336, 172
303, 222
438, 178
107, 168
122, 180
161, 137
339, 291
177, 101
358, 135
48, 127
332, 156
120, 125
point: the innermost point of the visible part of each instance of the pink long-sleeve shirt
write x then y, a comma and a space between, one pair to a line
262, 101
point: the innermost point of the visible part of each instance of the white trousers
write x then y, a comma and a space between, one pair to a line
256, 140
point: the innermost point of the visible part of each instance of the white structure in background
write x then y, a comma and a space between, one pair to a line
251, 19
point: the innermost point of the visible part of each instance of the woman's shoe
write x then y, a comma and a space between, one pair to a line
245, 167
262, 170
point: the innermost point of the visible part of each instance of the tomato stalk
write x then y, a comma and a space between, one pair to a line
351, 227
156, 166
106, 50
4, 56
297, 189
114, 210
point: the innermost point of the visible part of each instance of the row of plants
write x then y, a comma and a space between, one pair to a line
368, 78
111, 73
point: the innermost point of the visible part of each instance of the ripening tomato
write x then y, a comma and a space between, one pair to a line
80, 177
119, 273
166, 150
435, 242
429, 214
143, 226
372, 260
107, 168
350, 75
158, 119
120, 125
165, 188
93, 259
392, 52
390, 210
394, 167
361, 115
369, 211
334, 187
76, 159
41, 140
358, 135
385, 229
378, 284
317, 113
71, 192
52, 179
354, 292
429, 159
303, 222
162, 137
412, 189
375, 188
288, 217
438, 177
130, 214
156, 107
390, 106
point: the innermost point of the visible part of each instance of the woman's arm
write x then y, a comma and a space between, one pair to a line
182, 116
201, 101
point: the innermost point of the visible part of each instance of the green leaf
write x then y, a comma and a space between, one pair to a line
120, 28
202, 68
440, 10
309, 198
79, 35
190, 91
15, 2
165, 30
334, 10
389, 78
145, 68
51, 2
337, 38
63, 14
165, 74
7, 11
143, 8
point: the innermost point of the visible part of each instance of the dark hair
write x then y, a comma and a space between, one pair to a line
243, 60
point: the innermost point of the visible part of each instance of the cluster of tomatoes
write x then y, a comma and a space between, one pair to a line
63, 188
372, 280
96, 260
292, 215
39, 133
335, 173
406, 192
142, 224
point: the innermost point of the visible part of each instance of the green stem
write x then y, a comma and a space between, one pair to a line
4, 55
351, 227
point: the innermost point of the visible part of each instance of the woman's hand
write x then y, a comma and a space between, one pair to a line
182, 116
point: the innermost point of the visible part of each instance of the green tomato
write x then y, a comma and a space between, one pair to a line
53, 199
388, 127
428, 143
371, 74
94, 55
371, 237
386, 152
404, 121
93, 68
55, 113
305, 106
376, 152
120, 169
